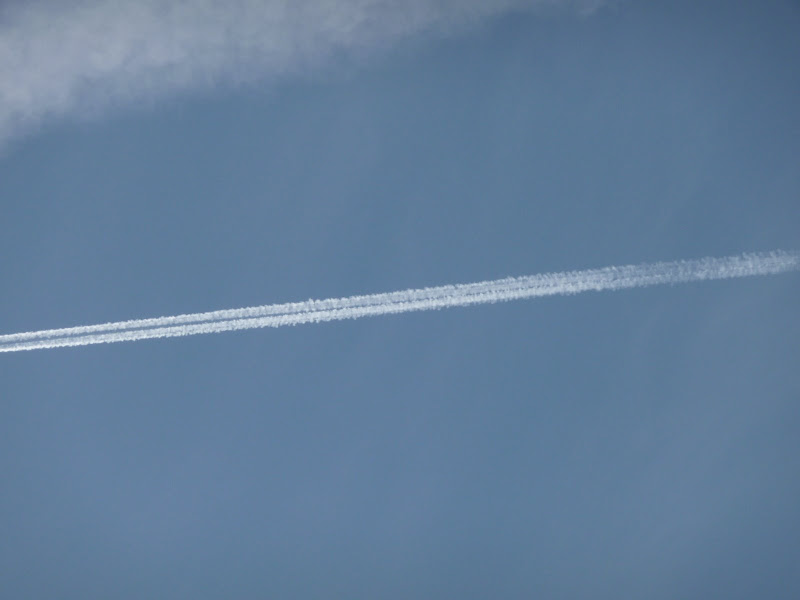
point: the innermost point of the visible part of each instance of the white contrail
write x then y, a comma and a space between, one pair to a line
354, 307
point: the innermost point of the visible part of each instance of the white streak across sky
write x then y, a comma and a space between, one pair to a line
355, 307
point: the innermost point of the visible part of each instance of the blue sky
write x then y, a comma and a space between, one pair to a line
639, 443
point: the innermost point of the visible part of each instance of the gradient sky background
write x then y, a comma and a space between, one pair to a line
633, 444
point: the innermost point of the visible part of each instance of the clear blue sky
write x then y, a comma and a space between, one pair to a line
635, 444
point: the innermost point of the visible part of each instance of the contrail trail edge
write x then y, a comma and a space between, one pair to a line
355, 307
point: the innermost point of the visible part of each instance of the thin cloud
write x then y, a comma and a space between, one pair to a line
356, 307
73, 58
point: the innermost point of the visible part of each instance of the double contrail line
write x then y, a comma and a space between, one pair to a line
355, 307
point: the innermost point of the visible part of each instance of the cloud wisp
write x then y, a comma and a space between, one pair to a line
355, 307
79, 57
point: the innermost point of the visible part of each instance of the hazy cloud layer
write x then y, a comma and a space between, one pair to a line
75, 57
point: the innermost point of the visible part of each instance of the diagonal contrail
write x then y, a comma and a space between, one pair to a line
355, 307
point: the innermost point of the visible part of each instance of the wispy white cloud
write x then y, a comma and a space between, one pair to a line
356, 307
74, 57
